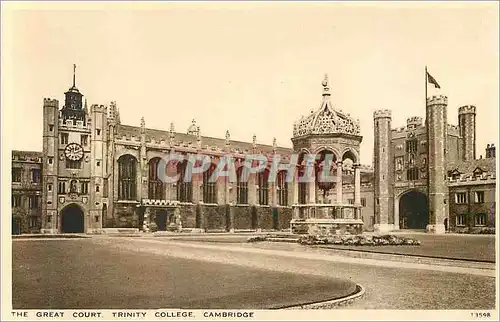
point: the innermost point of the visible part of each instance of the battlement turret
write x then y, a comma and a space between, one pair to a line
467, 127
490, 150
437, 100
414, 122
98, 108
467, 109
382, 114
437, 127
49, 102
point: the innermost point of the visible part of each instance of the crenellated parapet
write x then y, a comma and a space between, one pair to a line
364, 186
466, 180
96, 108
437, 100
382, 114
467, 109
69, 124
50, 102
414, 122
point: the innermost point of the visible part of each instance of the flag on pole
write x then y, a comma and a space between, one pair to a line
432, 80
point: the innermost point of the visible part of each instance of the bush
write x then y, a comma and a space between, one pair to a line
476, 230
256, 239
358, 240
153, 227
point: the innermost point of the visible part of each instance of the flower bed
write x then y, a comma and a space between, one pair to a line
476, 230
358, 240
256, 239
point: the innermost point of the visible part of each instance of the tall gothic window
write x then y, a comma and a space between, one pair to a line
412, 174
184, 188
241, 187
209, 186
411, 146
156, 190
282, 188
127, 176
263, 187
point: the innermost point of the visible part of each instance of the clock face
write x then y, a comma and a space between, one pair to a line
73, 151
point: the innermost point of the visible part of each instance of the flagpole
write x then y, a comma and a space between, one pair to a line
426, 86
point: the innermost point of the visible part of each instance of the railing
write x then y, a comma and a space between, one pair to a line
326, 211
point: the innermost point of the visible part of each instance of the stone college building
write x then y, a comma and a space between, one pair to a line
96, 175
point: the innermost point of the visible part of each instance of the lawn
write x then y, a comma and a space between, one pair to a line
468, 247
79, 274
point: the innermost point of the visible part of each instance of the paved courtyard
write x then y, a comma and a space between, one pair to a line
107, 272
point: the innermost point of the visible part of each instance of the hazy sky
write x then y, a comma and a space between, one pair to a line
252, 68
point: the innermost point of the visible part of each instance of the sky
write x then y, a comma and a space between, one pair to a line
250, 68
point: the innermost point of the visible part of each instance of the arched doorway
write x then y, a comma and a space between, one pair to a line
413, 210
72, 220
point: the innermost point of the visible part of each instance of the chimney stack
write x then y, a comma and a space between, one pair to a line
490, 150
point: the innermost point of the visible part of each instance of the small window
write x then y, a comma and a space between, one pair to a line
84, 139
98, 131
49, 187
105, 188
97, 189
49, 218
61, 188
460, 220
480, 219
363, 202
16, 174
412, 174
50, 160
16, 201
460, 198
411, 146
64, 138
350, 201
479, 196
72, 164
96, 218
51, 127
84, 188
35, 175
33, 202
98, 163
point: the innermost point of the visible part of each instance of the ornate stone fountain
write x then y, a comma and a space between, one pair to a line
328, 143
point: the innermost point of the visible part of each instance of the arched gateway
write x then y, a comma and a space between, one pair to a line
413, 210
72, 219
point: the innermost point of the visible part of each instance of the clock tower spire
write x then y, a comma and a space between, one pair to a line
73, 106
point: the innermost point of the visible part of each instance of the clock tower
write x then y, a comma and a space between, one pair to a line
73, 107
74, 165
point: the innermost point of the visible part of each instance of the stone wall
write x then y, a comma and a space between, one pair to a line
243, 218
284, 217
188, 217
215, 217
125, 216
